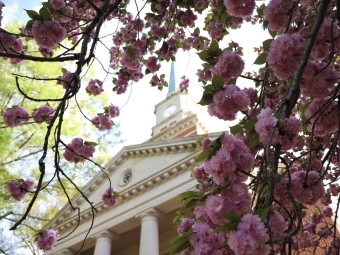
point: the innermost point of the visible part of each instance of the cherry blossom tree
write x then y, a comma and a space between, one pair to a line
259, 180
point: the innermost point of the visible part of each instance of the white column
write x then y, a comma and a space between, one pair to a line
149, 232
103, 242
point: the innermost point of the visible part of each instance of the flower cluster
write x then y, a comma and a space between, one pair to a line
234, 155
228, 102
48, 34
109, 197
47, 240
251, 236
95, 87
241, 8
265, 127
15, 116
43, 114
78, 150
285, 53
184, 84
230, 65
19, 188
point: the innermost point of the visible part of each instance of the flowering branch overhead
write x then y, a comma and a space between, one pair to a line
258, 182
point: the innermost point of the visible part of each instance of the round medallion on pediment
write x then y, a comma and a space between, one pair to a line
125, 178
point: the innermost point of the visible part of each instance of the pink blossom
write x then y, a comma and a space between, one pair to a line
19, 188
184, 84
68, 80
102, 122
57, 4
277, 225
11, 44
43, 113
48, 34
306, 187
285, 53
276, 13
113, 111
199, 172
265, 126
78, 151
205, 143
228, 102
185, 225
317, 83
152, 65
327, 211
324, 120
188, 18
67, 16
250, 238
230, 65
323, 43
95, 87
109, 197
15, 116
234, 155
240, 8
47, 239
204, 240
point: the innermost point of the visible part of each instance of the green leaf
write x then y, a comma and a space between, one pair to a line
236, 129
206, 99
253, 139
34, 15
249, 125
45, 14
232, 217
232, 226
266, 44
203, 156
203, 55
272, 33
261, 59
263, 212
47, 5
186, 194
217, 82
180, 245
214, 50
90, 143
29, 24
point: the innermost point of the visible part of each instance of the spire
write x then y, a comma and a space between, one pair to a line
172, 80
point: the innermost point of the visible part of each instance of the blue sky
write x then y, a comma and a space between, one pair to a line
15, 9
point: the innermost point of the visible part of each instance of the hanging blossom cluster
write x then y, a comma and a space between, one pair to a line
17, 115
19, 188
110, 197
47, 240
78, 151
103, 120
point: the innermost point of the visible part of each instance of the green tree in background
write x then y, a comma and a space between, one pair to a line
21, 147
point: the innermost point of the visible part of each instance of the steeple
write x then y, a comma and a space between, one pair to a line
178, 115
172, 80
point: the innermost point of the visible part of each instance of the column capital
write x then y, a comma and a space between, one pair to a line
67, 251
150, 212
105, 233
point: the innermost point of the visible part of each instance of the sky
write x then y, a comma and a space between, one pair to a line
137, 105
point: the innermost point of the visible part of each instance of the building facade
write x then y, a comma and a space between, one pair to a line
149, 178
